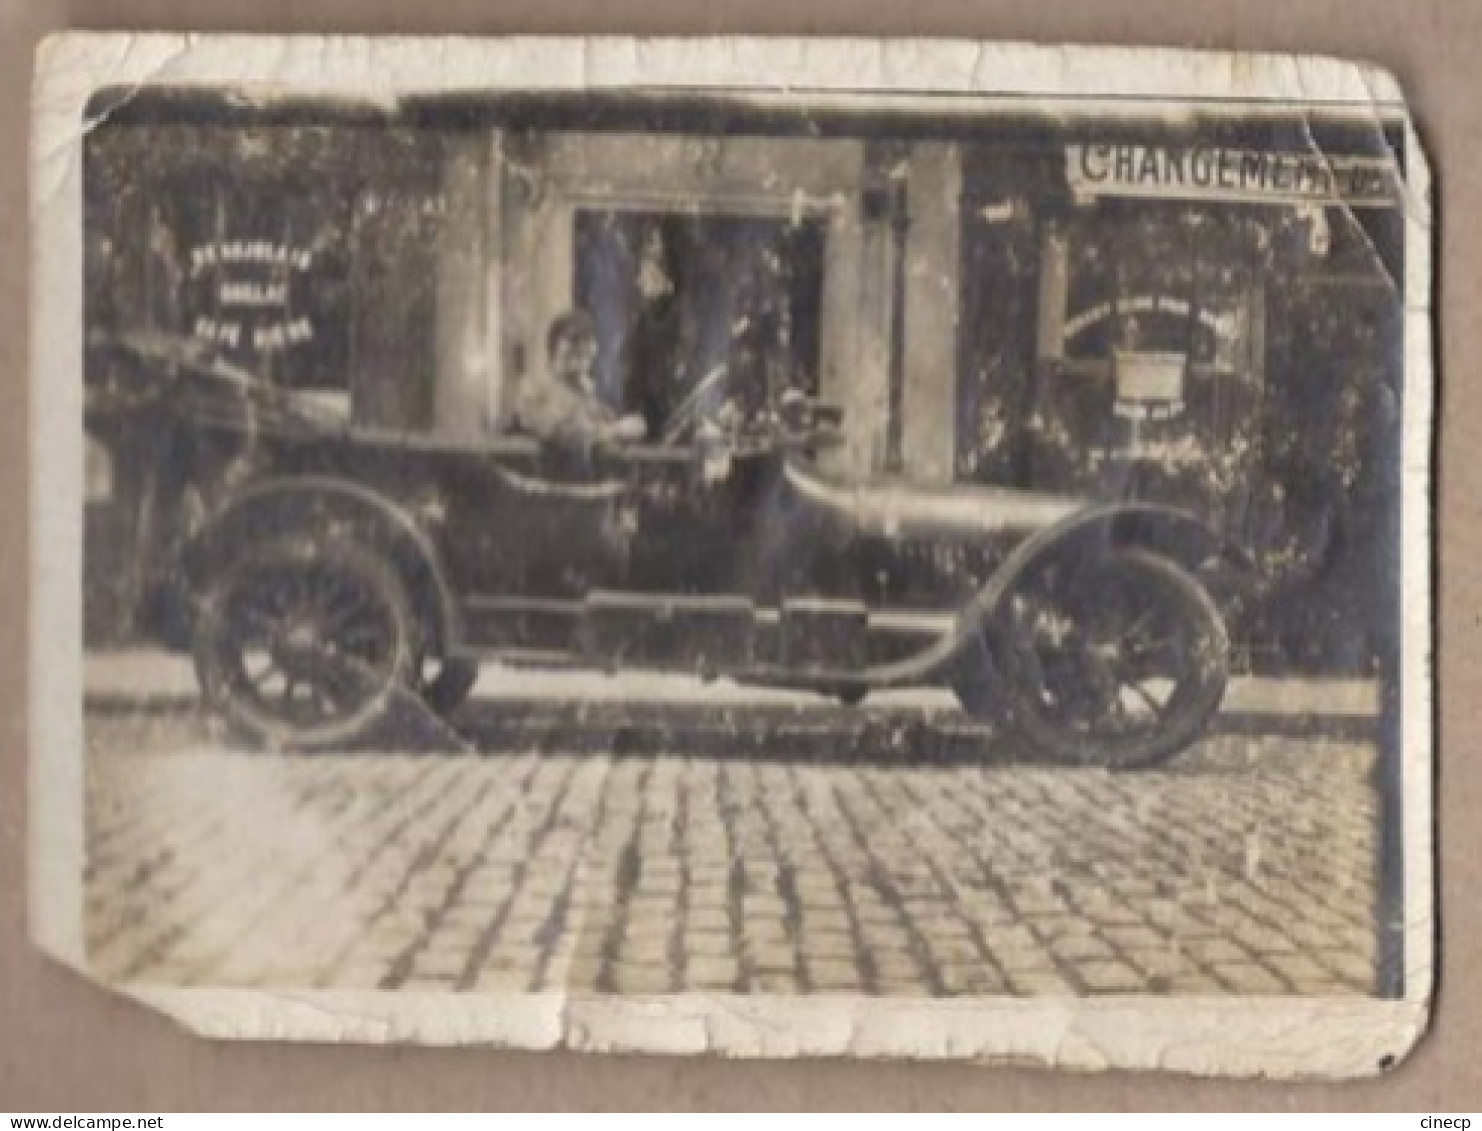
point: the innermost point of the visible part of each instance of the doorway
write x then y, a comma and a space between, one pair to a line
676, 295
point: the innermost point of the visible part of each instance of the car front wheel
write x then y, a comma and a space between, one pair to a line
1116, 660
304, 645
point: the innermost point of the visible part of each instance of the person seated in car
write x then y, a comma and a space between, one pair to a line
560, 405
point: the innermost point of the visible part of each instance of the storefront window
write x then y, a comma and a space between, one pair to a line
249, 242
267, 286
1150, 350
677, 296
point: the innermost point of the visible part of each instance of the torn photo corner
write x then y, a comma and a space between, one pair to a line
757, 547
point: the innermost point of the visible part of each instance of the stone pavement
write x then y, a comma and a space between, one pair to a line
1247, 866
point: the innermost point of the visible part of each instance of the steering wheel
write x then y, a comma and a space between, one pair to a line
687, 412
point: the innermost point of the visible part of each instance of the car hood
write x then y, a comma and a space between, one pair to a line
894, 508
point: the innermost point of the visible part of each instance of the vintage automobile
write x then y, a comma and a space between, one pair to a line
323, 573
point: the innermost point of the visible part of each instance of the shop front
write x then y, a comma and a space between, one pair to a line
1183, 312
1198, 318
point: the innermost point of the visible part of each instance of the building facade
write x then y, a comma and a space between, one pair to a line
1172, 307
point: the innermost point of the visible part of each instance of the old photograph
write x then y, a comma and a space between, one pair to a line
727, 548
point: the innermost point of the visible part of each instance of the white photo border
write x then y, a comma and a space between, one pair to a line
1258, 1036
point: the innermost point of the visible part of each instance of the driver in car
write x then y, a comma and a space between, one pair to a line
561, 405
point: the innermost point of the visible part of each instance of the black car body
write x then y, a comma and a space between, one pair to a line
717, 554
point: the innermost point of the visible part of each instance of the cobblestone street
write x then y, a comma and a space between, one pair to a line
1246, 866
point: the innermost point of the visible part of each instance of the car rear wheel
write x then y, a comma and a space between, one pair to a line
306, 646
1117, 661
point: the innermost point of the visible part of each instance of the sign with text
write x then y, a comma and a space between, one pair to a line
250, 301
1203, 172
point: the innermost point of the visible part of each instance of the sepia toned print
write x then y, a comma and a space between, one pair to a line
706, 547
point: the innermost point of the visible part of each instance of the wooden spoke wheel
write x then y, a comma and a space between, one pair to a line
306, 646
1119, 661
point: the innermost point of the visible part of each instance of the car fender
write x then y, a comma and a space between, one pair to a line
1176, 534
318, 505
1179, 535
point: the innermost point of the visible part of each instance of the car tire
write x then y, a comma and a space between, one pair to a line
332, 618
1116, 686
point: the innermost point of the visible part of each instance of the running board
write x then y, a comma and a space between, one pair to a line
807, 638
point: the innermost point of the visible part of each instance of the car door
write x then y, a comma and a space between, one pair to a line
678, 521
